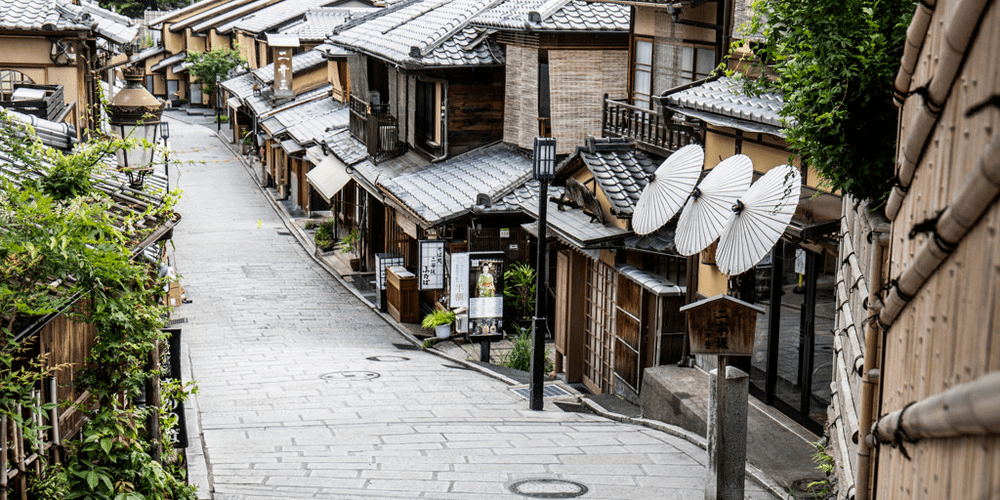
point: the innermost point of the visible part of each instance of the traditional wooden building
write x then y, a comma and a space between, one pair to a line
923, 369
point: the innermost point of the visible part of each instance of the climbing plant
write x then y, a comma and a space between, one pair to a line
834, 62
58, 242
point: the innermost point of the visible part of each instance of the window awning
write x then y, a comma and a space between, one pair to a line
234, 102
329, 177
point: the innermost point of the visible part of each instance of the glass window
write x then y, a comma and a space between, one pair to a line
696, 63
643, 76
10, 78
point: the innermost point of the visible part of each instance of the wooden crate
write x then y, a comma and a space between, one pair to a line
401, 295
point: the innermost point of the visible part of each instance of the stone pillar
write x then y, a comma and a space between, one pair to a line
727, 435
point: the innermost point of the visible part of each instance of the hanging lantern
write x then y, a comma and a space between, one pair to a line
135, 113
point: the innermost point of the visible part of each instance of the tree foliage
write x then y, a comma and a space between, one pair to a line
219, 61
835, 61
135, 8
59, 240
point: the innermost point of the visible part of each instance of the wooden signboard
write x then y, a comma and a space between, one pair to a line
722, 325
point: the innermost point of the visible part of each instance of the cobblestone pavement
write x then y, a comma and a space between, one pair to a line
305, 392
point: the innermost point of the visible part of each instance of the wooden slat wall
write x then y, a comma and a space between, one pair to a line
475, 109
950, 332
578, 81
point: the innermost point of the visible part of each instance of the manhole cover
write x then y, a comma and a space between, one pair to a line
349, 375
388, 358
548, 488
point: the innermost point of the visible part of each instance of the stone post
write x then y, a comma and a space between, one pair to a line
727, 434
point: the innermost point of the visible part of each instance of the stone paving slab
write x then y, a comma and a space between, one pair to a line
302, 393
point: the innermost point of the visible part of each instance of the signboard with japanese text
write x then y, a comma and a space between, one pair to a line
459, 285
431, 272
283, 72
486, 300
722, 325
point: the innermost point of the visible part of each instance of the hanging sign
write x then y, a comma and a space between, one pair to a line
486, 301
459, 280
382, 261
431, 265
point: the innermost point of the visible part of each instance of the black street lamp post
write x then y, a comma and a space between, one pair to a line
544, 171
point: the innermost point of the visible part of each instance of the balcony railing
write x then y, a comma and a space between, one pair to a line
649, 129
377, 129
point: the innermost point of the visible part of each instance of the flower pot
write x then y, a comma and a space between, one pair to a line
355, 265
443, 331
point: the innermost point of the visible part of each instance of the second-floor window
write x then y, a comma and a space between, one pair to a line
427, 128
642, 78
696, 63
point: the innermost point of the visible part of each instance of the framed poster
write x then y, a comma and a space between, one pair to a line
486, 299
459, 280
431, 257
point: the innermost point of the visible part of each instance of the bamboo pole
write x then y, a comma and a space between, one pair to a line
915, 36
868, 378
977, 194
969, 409
54, 418
959, 27
3, 457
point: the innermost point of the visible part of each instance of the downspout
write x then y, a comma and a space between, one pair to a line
870, 373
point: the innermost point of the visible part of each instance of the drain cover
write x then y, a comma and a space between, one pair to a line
388, 358
349, 375
548, 488
548, 391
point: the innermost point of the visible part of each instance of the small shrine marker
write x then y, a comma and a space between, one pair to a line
725, 326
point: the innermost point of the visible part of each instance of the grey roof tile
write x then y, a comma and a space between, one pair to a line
424, 33
619, 171
721, 102
169, 61
445, 190
240, 86
300, 62
64, 15
320, 23
350, 150
574, 226
273, 16
556, 15
220, 13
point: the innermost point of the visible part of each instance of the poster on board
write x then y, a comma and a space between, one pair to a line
431, 258
486, 300
459, 286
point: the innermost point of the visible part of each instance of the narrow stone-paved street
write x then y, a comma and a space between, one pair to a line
305, 392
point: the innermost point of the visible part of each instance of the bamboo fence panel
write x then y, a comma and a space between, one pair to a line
950, 331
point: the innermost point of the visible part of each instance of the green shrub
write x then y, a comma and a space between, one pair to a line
323, 237
438, 317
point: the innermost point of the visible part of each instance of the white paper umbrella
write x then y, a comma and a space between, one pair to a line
711, 204
759, 218
665, 194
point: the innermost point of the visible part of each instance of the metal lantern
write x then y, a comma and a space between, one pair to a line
135, 113
545, 158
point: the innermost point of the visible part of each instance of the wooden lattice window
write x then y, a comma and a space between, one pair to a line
600, 325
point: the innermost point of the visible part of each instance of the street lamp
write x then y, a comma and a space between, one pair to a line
135, 113
165, 134
544, 170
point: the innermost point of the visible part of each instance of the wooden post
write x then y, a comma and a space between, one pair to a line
3, 457
153, 400
54, 419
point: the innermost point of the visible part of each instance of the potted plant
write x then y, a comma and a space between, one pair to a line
440, 320
350, 244
323, 237
519, 288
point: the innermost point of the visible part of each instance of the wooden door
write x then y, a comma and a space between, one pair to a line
628, 341
600, 314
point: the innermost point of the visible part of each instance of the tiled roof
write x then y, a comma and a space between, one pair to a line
448, 189
272, 16
574, 226
657, 285
556, 15
63, 15
261, 105
219, 13
368, 174
56, 135
146, 54
619, 170
320, 23
179, 13
305, 60
240, 86
512, 201
313, 130
659, 241
424, 33
230, 14
348, 149
721, 103
169, 61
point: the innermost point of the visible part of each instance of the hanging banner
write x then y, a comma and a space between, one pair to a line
431, 257
459, 280
486, 301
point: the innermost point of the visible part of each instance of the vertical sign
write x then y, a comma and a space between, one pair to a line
431, 265
459, 280
382, 261
486, 300
283, 72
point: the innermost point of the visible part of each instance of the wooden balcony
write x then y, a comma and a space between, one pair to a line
377, 129
650, 130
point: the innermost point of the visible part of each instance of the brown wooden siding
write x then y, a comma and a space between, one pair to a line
475, 109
